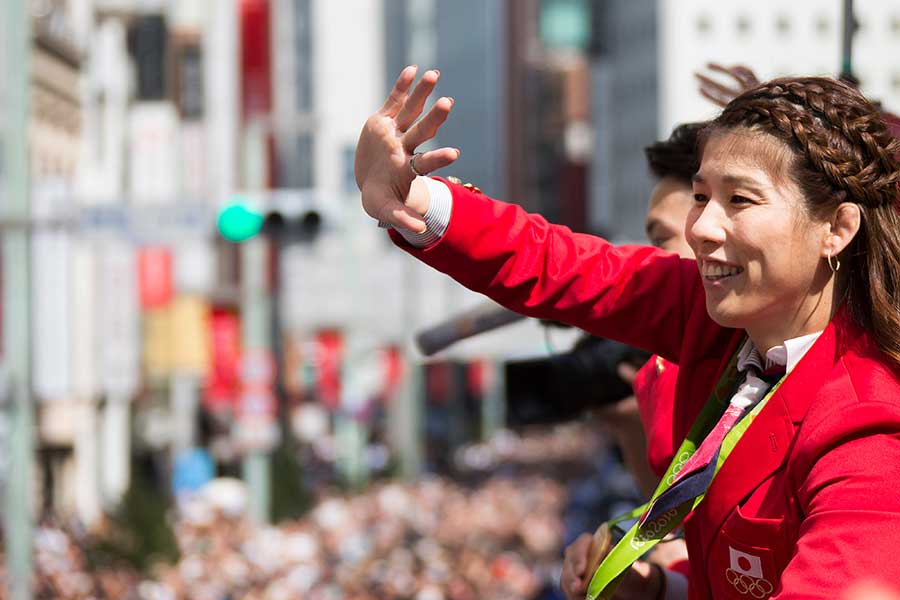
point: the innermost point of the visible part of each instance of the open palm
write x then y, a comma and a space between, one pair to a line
388, 141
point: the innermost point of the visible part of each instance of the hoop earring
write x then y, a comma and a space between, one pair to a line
836, 265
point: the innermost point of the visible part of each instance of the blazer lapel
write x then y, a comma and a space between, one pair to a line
765, 444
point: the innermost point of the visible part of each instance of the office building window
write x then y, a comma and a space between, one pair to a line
704, 24
303, 58
783, 25
297, 164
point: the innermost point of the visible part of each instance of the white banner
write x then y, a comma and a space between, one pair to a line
51, 296
119, 325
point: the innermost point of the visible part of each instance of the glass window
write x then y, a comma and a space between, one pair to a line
303, 59
783, 25
704, 24
298, 163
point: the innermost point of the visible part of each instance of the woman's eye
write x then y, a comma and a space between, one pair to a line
738, 199
700, 198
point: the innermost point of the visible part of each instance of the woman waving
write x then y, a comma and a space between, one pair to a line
786, 326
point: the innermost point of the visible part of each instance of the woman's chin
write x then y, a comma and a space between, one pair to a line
724, 315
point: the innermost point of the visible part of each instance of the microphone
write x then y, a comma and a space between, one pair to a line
479, 319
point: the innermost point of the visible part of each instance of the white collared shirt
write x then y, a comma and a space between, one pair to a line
788, 354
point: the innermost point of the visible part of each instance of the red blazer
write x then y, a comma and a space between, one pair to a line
654, 389
809, 500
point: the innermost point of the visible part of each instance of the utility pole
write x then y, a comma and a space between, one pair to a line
847, 41
256, 319
16, 240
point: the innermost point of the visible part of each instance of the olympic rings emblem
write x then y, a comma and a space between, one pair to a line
759, 588
682, 460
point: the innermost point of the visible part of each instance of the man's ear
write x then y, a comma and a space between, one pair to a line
844, 226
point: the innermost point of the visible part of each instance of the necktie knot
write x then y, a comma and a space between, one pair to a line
772, 373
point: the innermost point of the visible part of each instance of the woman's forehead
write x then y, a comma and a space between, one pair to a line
745, 152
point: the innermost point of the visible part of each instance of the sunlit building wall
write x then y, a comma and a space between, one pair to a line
773, 38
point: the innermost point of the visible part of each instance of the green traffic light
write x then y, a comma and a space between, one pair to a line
238, 223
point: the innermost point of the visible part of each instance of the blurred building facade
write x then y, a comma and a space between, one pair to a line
151, 115
625, 72
773, 38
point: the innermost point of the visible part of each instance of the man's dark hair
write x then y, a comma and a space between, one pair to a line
677, 156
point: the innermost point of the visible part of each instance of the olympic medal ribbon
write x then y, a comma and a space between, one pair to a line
641, 538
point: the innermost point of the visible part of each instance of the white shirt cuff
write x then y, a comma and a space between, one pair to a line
437, 217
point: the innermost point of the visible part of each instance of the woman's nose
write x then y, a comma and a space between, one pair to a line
707, 228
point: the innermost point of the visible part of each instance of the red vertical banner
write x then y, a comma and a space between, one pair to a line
256, 63
223, 380
329, 356
478, 377
155, 276
392, 365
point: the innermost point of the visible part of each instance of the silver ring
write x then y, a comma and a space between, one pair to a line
412, 165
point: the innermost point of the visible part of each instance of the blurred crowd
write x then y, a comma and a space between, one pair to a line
494, 536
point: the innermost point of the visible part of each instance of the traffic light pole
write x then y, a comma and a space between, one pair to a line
255, 334
18, 526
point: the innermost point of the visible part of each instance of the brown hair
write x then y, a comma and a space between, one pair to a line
842, 151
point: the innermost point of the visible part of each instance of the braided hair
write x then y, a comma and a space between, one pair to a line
841, 151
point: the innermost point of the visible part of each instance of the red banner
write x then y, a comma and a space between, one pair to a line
329, 356
392, 363
256, 68
155, 276
223, 381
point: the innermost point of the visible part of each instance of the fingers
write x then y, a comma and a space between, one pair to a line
407, 218
428, 126
745, 75
741, 73
436, 159
715, 91
723, 94
572, 579
397, 97
392, 211
416, 101
627, 372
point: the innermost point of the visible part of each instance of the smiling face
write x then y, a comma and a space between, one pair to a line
758, 250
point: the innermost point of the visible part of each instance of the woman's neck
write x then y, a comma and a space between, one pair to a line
811, 317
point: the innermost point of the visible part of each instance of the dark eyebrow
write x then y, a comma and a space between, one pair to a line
697, 178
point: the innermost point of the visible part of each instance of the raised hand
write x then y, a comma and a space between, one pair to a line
387, 143
741, 79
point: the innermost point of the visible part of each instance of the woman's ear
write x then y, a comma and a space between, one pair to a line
843, 228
